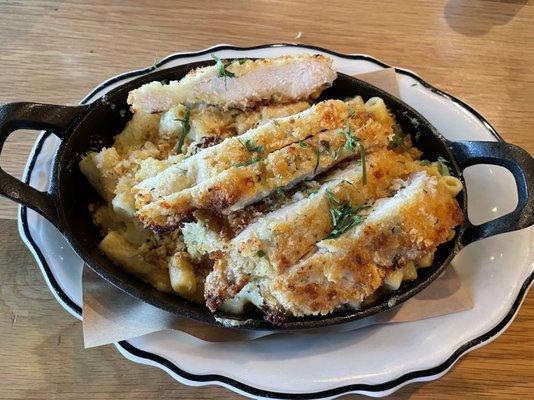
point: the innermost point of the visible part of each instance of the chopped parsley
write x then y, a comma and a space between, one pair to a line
351, 142
398, 137
352, 113
310, 191
364, 166
221, 68
342, 214
443, 166
260, 253
186, 127
302, 143
250, 161
336, 154
241, 61
349, 183
251, 148
281, 194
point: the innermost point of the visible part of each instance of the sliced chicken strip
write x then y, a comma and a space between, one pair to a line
283, 237
241, 185
216, 123
240, 84
263, 140
210, 234
406, 227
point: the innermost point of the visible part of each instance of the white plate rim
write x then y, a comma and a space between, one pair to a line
137, 355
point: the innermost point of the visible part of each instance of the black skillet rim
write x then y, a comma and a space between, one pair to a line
127, 347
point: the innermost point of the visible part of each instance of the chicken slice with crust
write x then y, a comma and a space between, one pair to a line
345, 270
240, 84
262, 140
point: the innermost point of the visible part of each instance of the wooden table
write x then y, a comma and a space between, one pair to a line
481, 51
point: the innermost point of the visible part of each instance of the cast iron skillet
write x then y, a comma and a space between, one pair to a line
93, 126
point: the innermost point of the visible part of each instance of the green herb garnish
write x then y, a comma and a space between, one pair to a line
343, 215
398, 137
221, 68
336, 154
351, 142
332, 198
251, 148
260, 253
186, 127
443, 166
364, 166
349, 183
425, 162
281, 194
352, 113
250, 161
302, 143
310, 191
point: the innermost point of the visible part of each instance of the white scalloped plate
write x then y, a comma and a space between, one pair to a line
374, 361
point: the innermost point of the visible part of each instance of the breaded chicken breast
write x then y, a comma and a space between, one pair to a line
233, 186
347, 269
287, 234
256, 178
256, 142
240, 84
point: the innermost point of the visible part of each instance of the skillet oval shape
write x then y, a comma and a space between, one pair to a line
90, 127
107, 117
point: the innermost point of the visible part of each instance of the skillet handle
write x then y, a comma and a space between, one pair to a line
520, 163
35, 116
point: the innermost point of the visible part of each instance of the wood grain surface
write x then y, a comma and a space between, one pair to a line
56, 51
